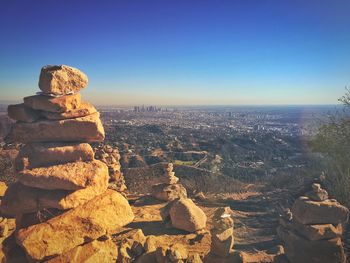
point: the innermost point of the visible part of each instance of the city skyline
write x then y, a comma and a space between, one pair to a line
183, 52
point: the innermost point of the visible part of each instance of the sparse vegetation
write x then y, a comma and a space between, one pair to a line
333, 141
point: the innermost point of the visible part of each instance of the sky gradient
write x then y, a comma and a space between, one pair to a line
181, 52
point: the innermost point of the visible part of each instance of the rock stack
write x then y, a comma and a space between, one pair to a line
222, 239
110, 156
168, 189
63, 209
312, 229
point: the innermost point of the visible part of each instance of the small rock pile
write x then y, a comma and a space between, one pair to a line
311, 231
63, 210
168, 189
110, 156
222, 239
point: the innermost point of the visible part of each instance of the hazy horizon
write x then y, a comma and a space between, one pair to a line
183, 52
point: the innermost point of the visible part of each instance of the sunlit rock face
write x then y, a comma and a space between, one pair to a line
61, 79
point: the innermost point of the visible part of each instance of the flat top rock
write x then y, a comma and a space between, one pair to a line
307, 211
70, 176
35, 155
61, 79
84, 129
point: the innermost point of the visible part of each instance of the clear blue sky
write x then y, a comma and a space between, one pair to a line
181, 52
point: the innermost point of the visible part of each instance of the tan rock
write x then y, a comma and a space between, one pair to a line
308, 212
35, 155
93, 252
85, 129
222, 218
20, 112
130, 245
301, 250
314, 232
3, 188
69, 176
168, 192
185, 215
22, 199
84, 110
222, 242
53, 104
61, 79
99, 216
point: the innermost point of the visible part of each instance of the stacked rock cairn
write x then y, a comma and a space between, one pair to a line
181, 212
222, 239
311, 231
168, 189
63, 210
110, 156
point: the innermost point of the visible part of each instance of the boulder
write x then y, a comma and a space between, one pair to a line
185, 215
53, 104
35, 155
99, 216
168, 192
61, 79
85, 129
301, 250
20, 112
22, 199
92, 252
314, 232
309, 212
222, 242
69, 176
84, 110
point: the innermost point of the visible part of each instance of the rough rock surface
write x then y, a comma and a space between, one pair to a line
22, 199
69, 176
61, 79
20, 112
314, 232
53, 104
84, 110
100, 216
168, 192
308, 212
301, 250
85, 129
222, 242
44, 154
92, 252
185, 215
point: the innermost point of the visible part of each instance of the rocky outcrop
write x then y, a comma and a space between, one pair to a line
110, 156
169, 189
95, 251
312, 230
63, 209
99, 216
